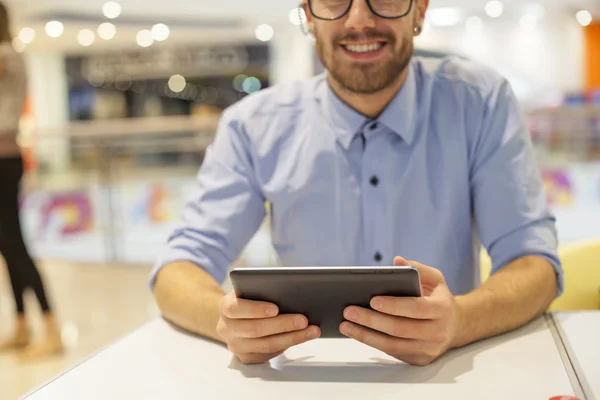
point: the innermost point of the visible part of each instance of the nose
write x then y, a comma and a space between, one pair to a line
360, 16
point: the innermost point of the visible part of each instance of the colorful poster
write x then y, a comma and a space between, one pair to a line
154, 203
66, 214
559, 187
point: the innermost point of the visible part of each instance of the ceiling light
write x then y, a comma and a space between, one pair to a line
474, 25
584, 17
107, 31
177, 83
54, 29
160, 32
494, 8
27, 35
264, 32
111, 9
144, 38
86, 37
444, 16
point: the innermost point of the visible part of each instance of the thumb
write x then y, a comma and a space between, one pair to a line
430, 277
400, 262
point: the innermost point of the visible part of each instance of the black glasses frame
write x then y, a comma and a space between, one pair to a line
310, 6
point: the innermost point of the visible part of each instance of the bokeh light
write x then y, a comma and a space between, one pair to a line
111, 9
55, 29
264, 32
107, 31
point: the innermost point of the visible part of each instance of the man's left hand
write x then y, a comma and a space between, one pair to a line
416, 330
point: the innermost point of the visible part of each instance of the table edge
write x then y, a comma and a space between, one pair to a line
569, 356
558, 335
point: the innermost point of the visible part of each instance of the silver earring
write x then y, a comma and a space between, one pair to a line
418, 29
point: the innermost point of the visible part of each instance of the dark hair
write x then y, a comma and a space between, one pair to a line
5, 35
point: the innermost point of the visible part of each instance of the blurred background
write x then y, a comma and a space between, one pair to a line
125, 96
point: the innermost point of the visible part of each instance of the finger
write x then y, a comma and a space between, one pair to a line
390, 345
275, 343
431, 307
400, 327
254, 358
235, 308
256, 328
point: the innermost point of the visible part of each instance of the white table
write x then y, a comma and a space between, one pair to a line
160, 362
580, 333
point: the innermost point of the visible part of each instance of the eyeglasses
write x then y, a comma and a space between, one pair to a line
335, 9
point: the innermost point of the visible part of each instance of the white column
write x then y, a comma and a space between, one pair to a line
291, 55
48, 90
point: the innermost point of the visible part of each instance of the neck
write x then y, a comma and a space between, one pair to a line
369, 105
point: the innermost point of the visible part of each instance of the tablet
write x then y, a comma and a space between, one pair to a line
322, 293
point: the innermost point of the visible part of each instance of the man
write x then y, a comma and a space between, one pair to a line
386, 155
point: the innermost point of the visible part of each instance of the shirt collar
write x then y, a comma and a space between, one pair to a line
399, 116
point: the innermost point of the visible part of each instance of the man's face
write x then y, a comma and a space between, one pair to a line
365, 53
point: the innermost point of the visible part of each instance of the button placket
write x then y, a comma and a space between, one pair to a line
372, 200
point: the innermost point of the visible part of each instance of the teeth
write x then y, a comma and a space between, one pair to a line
363, 48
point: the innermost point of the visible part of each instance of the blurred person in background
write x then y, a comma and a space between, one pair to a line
21, 268
384, 155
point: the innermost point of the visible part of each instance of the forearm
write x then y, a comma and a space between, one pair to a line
513, 296
189, 297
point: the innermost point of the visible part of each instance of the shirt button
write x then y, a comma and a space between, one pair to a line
378, 257
374, 180
374, 126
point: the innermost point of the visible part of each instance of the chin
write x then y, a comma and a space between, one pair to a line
364, 82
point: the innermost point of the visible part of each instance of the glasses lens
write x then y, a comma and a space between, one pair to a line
329, 9
333, 9
391, 8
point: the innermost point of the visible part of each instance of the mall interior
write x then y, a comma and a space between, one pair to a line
124, 97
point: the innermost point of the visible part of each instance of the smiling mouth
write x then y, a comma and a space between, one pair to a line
364, 48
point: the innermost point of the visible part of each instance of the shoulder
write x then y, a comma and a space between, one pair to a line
459, 75
272, 116
288, 98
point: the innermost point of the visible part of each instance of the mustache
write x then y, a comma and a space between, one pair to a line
366, 35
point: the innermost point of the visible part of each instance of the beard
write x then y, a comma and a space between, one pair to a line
365, 78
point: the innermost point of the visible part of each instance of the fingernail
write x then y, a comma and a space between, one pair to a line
377, 304
312, 333
299, 323
271, 311
346, 329
351, 314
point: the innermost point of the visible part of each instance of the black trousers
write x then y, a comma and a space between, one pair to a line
21, 268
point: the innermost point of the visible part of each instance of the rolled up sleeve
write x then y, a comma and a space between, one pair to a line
509, 199
226, 209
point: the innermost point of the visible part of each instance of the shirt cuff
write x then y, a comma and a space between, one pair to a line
534, 240
183, 253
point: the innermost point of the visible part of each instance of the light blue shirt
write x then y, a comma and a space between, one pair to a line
447, 167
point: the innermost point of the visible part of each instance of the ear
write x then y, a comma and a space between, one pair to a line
310, 20
420, 10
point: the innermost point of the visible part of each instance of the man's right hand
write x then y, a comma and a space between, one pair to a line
255, 332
